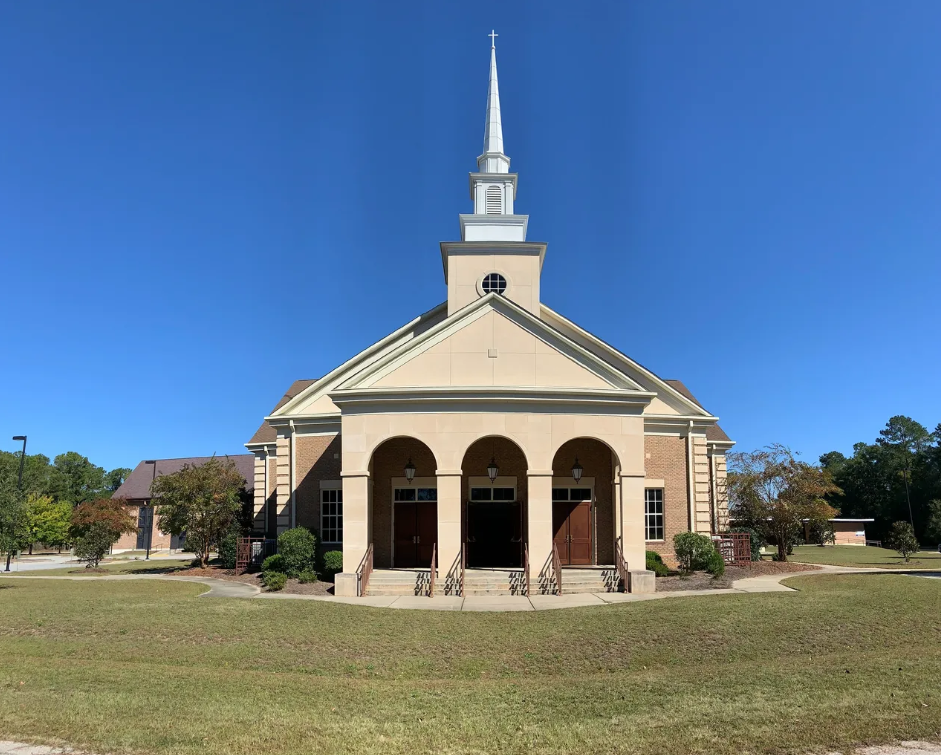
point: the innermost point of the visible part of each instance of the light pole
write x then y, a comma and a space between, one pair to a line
19, 486
150, 528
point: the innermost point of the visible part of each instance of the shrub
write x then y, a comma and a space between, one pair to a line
692, 551
298, 547
715, 564
273, 563
306, 577
656, 565
228, 549
92, 546
274, 580
332, 563
902, 539
754, 540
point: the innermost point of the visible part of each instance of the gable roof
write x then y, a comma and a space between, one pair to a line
266, 433
608, 373
137, 485
713, 432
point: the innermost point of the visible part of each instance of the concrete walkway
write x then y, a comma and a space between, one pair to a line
222, 588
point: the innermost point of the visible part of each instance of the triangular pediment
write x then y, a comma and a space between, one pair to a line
491, 343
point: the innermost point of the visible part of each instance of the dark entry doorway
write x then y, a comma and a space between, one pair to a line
571, 525
416, 527
145, 523
494, 529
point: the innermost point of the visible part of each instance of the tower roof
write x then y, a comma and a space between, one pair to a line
493, 159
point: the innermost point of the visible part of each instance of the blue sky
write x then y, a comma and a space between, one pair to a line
201, 202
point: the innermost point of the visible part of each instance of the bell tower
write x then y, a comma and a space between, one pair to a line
493, 255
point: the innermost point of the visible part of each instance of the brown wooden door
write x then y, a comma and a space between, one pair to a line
416, 530
405, 553
571, 528
426, 530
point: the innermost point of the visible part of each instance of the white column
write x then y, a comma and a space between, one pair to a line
449, 529
356, 524
539, 530
285, 494
260, 496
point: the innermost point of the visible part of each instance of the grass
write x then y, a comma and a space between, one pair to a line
147, 668
864, 556
157, 566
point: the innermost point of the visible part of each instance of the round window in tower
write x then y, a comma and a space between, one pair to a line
493, 283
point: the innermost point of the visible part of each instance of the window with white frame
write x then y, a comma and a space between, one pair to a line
331, 516
571, 494
493, 494
653, 514
404, 495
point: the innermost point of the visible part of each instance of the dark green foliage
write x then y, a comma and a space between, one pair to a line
754, 540
715, 564
902, 539
273, 563
656, 565
821, 533
306, 577
92, 546
692, 551
274, 580
332, 563
298, 548
228, 549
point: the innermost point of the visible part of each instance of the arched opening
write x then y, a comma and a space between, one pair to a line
583, 497
404, 510
494, 510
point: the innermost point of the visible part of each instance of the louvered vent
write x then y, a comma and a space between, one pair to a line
494, 201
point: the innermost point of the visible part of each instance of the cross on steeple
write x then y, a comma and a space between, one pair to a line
493, 35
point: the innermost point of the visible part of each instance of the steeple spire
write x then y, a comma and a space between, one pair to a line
493, 160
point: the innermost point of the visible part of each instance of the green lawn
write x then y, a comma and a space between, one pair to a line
864, 556
157, 566
145, 667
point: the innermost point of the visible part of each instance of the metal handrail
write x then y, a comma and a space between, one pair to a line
557, 568
526, 567
621, 564
431, 581
463, 565
363, 572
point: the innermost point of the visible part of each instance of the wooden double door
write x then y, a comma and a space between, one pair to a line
416, 531
571, 528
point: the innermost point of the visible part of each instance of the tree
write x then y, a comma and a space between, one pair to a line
907, 438
902, 539
201, 502
11, 513
115, 478
774, 493
97, 525
933, 530
83, 481
46, 521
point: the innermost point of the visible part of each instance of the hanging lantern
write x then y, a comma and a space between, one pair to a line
409, 471
577, 470
492, 469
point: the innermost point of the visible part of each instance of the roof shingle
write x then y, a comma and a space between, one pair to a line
137, 485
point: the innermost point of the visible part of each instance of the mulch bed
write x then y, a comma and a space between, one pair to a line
293, 587
704, 581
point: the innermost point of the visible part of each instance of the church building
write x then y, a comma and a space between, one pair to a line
491, 438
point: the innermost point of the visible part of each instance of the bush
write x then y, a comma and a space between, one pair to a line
92, 546
274, 580
273, 563
902, 539
332, 563
228, 549
656, 565
692, 551
715, 564
298, 547
755, 541
306, 577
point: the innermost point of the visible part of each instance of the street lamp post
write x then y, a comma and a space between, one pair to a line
19, 486
150, 528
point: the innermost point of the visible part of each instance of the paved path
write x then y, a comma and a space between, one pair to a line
64, 560
221, 588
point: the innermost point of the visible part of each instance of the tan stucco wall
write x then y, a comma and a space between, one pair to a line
666, 460
521, 272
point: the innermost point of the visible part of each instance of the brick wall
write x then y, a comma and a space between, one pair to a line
316, 458
666, 460
128, 541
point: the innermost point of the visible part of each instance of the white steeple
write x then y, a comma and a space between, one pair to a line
493, 160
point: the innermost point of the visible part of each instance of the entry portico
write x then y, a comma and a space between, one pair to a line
492, 426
